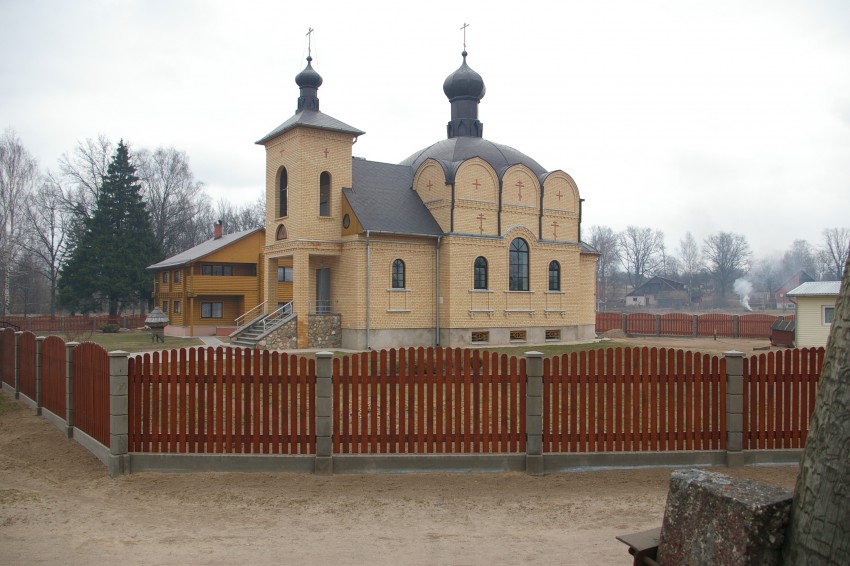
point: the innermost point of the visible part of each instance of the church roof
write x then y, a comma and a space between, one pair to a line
452, 151
383, 199
203, 249
312, 119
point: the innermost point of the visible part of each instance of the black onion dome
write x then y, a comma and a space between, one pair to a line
308, 77
453, 151
464, 82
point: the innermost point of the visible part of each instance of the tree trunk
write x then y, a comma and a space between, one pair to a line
819, 531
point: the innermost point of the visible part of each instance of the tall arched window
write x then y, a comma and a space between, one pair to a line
518, 266
554, 276
479, 273
283, 197
325, 194
398, 274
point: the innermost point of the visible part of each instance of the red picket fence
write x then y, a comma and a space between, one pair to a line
715, 325
779, 397
634, 399
640, 323
90, 383
755, 325
677, 324
206, 401
7, 357
426, 401
606, 321
27, 365
53, 379
48, 323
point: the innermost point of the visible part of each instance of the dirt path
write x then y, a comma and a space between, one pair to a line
748, 346
57, 505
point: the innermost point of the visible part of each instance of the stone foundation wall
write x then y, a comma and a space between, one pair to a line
325, 331
283, 338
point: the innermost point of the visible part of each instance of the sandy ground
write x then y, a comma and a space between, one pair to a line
748, 346
58, 506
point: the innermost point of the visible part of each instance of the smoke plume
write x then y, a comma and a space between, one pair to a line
743, 288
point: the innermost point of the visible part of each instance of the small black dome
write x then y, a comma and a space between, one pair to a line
308, 77
464, 83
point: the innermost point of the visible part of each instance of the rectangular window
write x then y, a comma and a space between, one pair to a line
213, 269
478, 337
828, 313
177, 277
284, 274
210, 310
165, 307
518, 335
553, 335
176, 307
165, 277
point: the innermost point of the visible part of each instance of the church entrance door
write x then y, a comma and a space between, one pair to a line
323, 290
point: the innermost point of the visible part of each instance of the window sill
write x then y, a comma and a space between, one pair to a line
405, 290
520, 292
481, 291
399, 310
550, 292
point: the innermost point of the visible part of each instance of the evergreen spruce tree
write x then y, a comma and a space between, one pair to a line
109, 261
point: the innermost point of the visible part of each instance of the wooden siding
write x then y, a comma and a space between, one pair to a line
811, 331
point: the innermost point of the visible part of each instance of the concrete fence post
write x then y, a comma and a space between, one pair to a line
18, 335
624, 323
324, 413
69, 388
734, 408
658, 325
736, 323
534, 413
696, 325
38, 376
118, 413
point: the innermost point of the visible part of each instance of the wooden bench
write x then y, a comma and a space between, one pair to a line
643, 546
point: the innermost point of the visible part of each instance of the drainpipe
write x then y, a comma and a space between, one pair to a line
437, 299
368, 290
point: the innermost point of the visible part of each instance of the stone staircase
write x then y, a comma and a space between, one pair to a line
249, 335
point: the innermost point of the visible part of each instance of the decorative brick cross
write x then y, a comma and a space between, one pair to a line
476, 184
559, 195
555, 229
429, 184
519, 186
326, 153
481, 219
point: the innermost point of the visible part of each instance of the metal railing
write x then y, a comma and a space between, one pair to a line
277, 317
258, 310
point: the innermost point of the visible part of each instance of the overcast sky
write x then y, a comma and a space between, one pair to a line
679, 115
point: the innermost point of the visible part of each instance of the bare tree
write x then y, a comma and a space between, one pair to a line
819, 530
174, 198
242, 217
605, 240
692, 263
835, 250
48, 220
800, 257
18, 175
727, 255
640, 252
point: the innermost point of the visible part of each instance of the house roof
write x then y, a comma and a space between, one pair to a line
203, 249
383, 199
312, 119
816, 288
658, 283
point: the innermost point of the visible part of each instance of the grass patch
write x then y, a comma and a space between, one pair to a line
131, 341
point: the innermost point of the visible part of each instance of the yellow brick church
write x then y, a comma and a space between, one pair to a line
466, 242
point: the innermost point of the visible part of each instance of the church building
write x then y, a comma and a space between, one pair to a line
465, 242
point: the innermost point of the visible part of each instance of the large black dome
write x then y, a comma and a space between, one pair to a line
308, 77
454, 150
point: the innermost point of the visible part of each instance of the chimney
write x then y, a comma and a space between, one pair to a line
217, 230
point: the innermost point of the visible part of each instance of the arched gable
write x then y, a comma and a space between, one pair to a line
429, 182
520, 187
476, 181
560, 193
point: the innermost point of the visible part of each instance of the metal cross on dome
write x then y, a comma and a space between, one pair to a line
463, 27
309, 41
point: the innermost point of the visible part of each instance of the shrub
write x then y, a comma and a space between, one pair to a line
110, 328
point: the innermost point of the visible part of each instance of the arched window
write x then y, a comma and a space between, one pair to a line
283, 197
325, 194
281, 233
518, 266
554, 276
479, 273
398, 274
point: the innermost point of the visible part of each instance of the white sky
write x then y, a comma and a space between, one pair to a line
678, 115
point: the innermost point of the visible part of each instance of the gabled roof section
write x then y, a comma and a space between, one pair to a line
203, 249
816, 288
657, 284
312, 119
383, 199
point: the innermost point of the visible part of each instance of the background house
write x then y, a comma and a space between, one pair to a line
659, 292
780, 296
815, 308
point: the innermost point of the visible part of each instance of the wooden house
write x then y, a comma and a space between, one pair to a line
204, 289
815, 309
